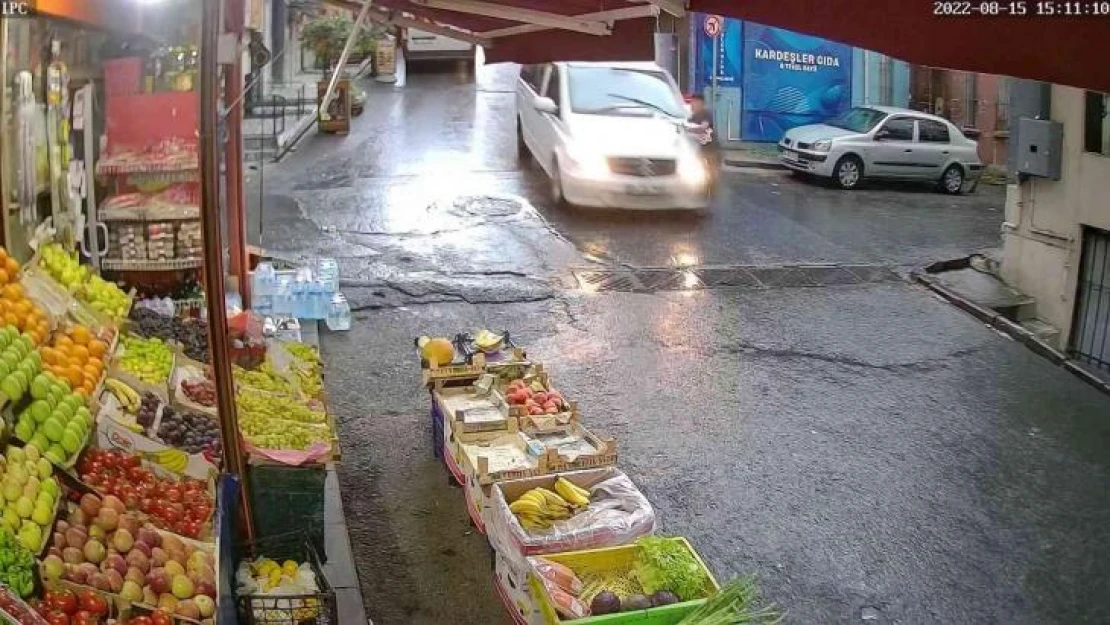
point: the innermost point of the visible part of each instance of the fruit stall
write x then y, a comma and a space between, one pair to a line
572, 537
163, 447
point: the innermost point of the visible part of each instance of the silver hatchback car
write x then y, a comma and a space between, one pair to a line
883, 142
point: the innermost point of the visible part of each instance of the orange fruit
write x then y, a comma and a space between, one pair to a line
13, 291
75, 375
63, 342
23, 308
49, 355
80, 335
80, 353
62, 361
11, 265
92, 371
4, 277
11, 319
97, 348
36, 336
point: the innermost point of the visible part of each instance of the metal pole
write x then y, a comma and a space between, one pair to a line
330, 93
234, 462
4, 135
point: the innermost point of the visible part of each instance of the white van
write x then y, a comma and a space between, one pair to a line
422, 46
610, 135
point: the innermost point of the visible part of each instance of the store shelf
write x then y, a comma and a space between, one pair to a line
131, 169
111, 264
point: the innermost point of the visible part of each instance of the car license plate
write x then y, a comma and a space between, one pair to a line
644, 189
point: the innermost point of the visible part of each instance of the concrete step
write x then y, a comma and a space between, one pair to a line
1042, 329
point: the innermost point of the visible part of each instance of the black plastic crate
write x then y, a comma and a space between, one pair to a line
283, 497
311, 609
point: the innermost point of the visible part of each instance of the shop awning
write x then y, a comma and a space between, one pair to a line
1061, 49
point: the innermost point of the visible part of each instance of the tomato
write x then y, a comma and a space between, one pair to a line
173, 493
131, 461
94, 603
161, 617
201, 511
84, 617
57, 617
140, 620
64, 600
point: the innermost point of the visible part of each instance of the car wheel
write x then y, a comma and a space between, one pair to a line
952, 180
522, 152
848, 172
557, 197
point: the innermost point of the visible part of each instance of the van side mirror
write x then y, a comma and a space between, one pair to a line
545, 105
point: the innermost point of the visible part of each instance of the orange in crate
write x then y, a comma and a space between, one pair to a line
76, 356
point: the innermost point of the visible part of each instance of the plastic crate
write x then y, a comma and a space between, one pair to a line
283, 497
318, 608
610, 560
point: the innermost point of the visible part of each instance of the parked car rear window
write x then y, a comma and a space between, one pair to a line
899, 129
932, 132
859, 119
616, 90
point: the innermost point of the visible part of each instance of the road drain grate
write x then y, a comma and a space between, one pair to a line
650, 280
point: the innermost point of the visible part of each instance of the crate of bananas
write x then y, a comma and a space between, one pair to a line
538, 509
566, 511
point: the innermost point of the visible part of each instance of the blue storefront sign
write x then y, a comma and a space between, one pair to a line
791, 79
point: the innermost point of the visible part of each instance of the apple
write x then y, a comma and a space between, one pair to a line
138, 560
100, 582
107, 519
115, 503
130, 523
94, 551
205, 605
54, 567
187, 609
142, 547
114, 562
131, 591
59, 540
159, 581
149, 536
97, 532
75, 574
115, 580
122, 540
158, 557
90, 505
174, 568
167, 602
76, 537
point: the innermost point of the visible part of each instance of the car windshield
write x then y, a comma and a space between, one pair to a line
857, 119
621, 91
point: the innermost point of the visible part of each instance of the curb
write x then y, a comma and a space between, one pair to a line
1013, 330
764, 165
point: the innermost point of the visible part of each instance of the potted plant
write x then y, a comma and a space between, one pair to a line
326, 35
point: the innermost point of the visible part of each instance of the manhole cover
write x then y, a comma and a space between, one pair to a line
726, 276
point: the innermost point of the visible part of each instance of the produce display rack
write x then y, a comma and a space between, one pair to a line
174, 264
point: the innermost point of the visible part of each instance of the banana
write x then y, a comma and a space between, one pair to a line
172, 459
128, 397
535, 497
573, 494
552, 499
522, 506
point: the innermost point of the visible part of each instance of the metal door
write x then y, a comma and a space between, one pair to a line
1090, 336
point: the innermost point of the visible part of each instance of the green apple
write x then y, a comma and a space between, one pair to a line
15, 454
18, 474
11, 518
33, 453
38, 441
45, 469
55, 454
24, 506
30, 536
12, 491
50, 486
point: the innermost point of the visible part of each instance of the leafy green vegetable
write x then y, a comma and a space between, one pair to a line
666, 564
734, 605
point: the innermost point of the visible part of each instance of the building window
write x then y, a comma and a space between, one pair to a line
1096, 132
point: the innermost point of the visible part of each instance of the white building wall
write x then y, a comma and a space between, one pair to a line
1044, 218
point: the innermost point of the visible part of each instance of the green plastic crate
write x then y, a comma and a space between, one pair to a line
286, 499
610, 559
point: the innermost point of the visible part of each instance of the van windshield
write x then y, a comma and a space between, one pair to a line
622, 91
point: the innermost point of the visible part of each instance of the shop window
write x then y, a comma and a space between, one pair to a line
1096, 132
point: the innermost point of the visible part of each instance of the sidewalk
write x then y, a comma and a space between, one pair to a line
750, 155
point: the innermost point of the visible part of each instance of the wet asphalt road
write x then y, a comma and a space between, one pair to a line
867, 450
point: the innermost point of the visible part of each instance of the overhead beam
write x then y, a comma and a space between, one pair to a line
612, 15
676, 8
515, 14
396, 18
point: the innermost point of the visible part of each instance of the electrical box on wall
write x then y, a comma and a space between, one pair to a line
1040, 148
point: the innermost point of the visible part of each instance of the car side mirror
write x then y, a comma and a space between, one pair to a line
882, 134
545, 105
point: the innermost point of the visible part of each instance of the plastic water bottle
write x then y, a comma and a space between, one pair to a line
339, 314
321, 299
327, 270
283, 297
262, 282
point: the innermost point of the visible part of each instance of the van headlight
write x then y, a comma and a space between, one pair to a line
587, 161
822, 145
691, 170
